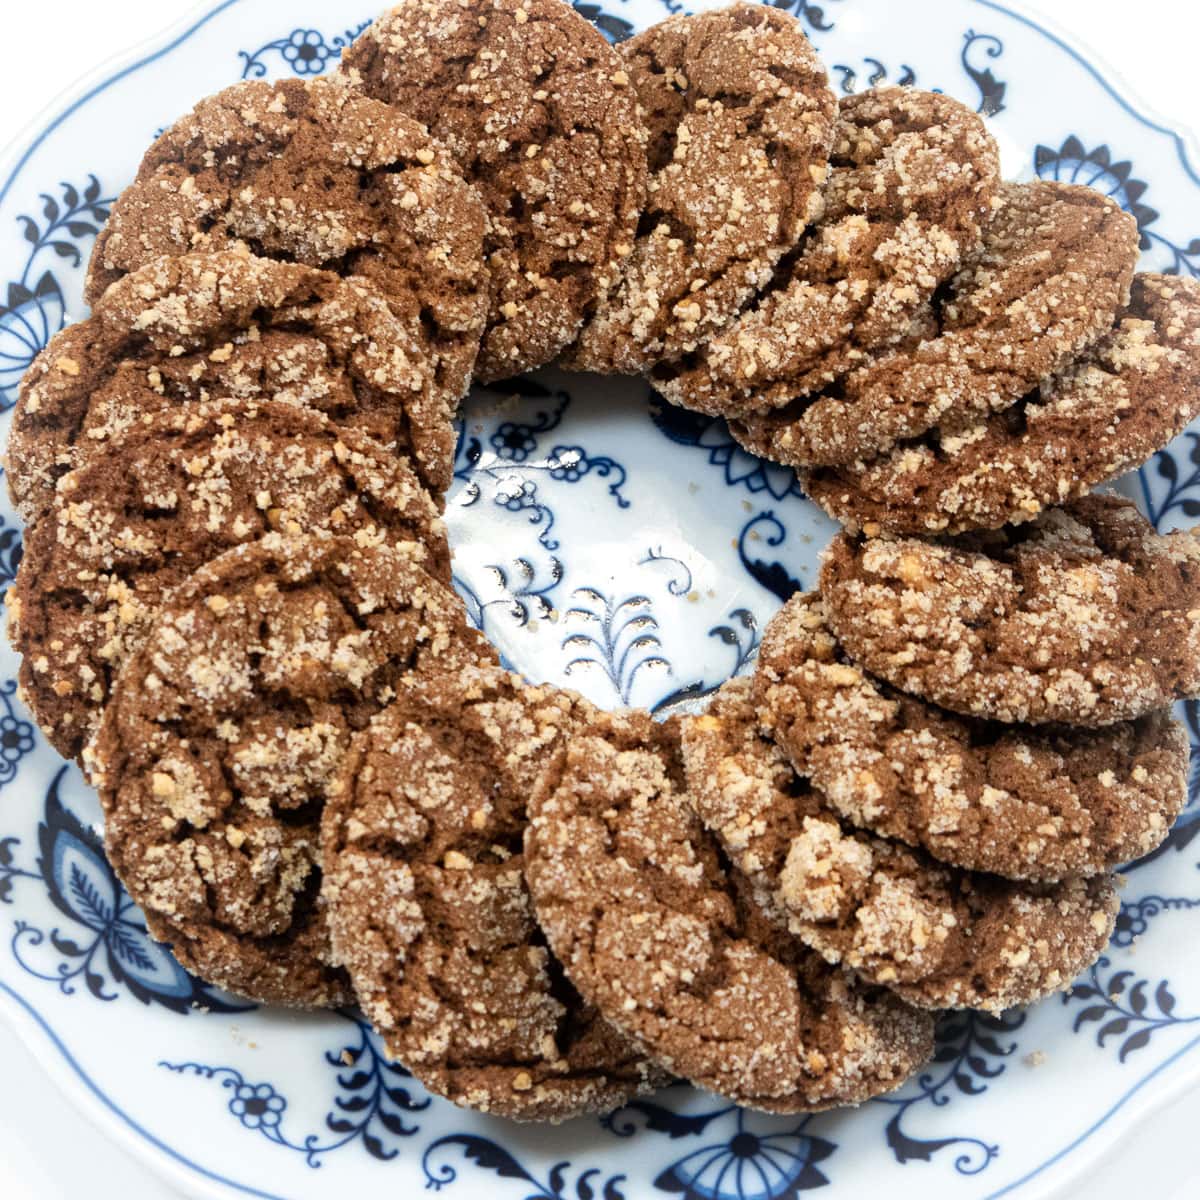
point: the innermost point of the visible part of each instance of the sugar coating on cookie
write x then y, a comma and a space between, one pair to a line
937, 935
226, 326
913, 176
177, 490
315, 173
225, 734
1054, 268
674, 949
424, 880
538, 111
1085, 616
740, 117
1019, 801
1103, 416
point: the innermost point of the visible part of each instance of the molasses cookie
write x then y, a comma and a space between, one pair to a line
225, 735
1026, 803
913, 176
1086, 616
176, 491
314, 173
424, 879
940, 937
740, 117
1054, 268
538, 111
226, 326
1103, 416
674, 949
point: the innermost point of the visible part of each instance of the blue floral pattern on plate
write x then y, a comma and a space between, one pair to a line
607, 540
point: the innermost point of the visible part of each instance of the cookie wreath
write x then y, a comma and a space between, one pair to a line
319, 782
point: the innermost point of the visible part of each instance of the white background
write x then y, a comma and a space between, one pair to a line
46, 1150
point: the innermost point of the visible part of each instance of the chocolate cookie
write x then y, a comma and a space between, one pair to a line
314, 173
939, 936
1086, 616
226, 732
1054, 268
1102, 417
176, 491
225, 326
676, 952
740, 116
429, 912
536, 108
912, 181
1022, 802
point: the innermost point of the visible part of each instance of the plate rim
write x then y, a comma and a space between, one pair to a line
1132, 1108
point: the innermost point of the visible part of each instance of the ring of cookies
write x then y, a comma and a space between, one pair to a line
320, 785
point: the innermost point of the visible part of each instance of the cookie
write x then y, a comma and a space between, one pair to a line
740, 117
1022, 802
226, 731
675, 951
939, 936
1102, 417
536, 108
225, 326
1085, 616
176, 491
430, 914
1054, 268
314, 173
913, 176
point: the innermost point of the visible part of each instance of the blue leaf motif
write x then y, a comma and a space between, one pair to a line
84, 888
147, 967
84, 883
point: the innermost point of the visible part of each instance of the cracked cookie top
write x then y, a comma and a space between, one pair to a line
1085, 616
314, 173
537, 109
740, 117
225, 735
176, 491
1020, 801
939, 936
425, 882
913, 177
674, 949
226, 326
1104, 415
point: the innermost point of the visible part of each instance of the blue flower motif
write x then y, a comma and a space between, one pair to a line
16, 738
306, 52
712, 435
370, 1107
16, 734
257, 1106
513, 443
750, 1166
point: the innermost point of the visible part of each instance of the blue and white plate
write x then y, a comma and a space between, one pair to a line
634, 552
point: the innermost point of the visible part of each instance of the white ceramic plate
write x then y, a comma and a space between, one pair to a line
635, 553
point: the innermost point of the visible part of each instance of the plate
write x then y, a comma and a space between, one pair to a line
632, 551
